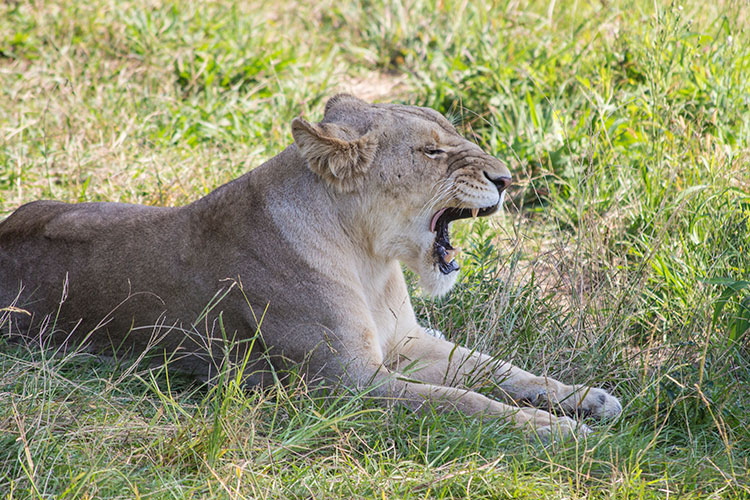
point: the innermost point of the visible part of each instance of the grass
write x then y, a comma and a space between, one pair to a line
623, 259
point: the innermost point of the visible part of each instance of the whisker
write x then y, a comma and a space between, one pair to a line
441, 194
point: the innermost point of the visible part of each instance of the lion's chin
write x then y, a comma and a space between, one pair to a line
420, 259
436, 284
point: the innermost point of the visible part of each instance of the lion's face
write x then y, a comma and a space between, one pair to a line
404, 174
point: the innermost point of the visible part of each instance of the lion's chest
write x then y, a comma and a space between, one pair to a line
390, 309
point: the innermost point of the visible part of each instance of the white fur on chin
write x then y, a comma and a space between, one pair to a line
436, 284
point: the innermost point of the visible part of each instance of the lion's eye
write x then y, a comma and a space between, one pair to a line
432, 152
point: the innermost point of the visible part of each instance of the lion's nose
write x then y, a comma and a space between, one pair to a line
501, 183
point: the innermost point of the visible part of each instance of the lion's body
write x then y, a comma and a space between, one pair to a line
129, 266
308, 245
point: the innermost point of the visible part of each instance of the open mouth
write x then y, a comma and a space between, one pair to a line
443, 252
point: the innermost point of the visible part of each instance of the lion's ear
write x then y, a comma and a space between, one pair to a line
334, 154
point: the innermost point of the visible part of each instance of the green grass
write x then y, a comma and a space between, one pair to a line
623, 259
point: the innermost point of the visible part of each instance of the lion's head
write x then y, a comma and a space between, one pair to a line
401, 175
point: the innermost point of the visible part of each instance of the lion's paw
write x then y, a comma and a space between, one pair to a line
589, 401
549, 427
561, 429
599, 403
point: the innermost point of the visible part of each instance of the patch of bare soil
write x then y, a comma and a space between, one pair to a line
375, 86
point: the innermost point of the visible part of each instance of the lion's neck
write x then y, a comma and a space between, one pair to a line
335, 234
301, 205
283, 205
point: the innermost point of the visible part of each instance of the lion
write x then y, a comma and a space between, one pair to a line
297, 261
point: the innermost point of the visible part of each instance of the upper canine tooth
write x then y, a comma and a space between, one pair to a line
474, 212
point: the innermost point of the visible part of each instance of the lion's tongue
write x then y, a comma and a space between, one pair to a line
435, 218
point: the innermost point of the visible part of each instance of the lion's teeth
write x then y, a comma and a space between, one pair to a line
450, 255
474, 212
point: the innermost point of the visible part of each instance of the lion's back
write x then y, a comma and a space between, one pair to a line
22, 228
46, 244
29, 220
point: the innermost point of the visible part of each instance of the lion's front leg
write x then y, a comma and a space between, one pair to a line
435, 360
357, 362
395, 387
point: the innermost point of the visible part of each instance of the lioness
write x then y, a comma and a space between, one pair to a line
306, 249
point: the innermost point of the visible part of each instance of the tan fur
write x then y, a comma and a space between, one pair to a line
305, 248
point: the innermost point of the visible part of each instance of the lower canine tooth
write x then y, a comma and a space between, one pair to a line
450, 255
474, 212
